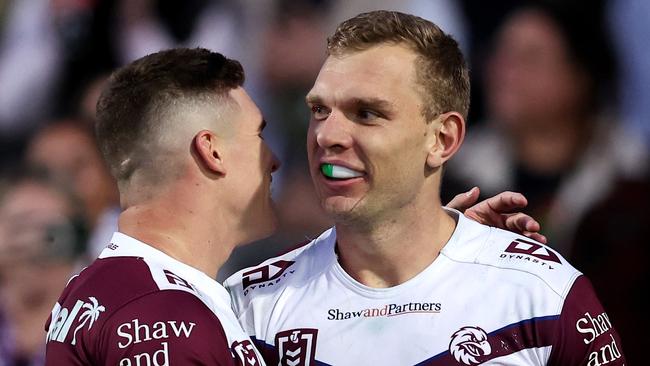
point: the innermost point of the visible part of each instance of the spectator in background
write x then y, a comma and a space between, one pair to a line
42, 235
67, 150
85, 108
147, 26
30, 63
630, 28
549, 136
49, 49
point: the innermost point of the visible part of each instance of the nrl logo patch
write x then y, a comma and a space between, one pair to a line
469, 344
245, 353
296, 347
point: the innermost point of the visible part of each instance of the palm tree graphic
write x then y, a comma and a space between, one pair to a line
89, 316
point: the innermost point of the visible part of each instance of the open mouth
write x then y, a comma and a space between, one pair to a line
338, 172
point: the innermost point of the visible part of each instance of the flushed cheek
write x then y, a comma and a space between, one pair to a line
393, 168
311, 148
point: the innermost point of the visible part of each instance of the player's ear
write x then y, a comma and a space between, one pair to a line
448, 133
208, 152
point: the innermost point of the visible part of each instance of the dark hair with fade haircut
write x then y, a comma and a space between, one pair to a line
440, 66
138, 95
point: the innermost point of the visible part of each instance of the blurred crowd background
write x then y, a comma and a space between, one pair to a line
560, 112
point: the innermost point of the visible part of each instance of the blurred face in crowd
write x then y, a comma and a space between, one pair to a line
71, 155
33, 220
530, 75
368, 139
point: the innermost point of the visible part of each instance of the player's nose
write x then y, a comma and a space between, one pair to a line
333, 132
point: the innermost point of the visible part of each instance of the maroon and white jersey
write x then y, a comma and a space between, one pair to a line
136, 305
491, 297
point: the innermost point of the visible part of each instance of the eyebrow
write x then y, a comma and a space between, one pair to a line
313, 99
374, 103
357, 102
262, 125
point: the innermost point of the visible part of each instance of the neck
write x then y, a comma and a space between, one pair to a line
180, 232
395, 250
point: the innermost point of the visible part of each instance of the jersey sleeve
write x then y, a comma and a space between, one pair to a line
585, 334
164, 328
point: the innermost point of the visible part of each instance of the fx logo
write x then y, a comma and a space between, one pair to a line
297, 347
521, 246
176, 280
263, 274
245, 353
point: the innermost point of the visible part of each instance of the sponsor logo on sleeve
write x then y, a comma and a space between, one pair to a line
469, 345
387, 310
133, 332
524, 250
592, 328
245, 353
297, 347
266, 276
63, 319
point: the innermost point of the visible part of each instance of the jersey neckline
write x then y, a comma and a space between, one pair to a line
123, 245
427, 273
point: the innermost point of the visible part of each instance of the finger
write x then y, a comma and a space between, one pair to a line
507, 202
536, 236
463, 201
525, 225
520, 222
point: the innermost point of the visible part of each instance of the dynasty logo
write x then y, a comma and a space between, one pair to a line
525, 250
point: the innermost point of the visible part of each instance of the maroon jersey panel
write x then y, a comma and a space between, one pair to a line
164, 328
585, 335
113, 313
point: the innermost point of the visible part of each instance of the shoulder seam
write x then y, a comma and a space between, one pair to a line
561, 296
154, 292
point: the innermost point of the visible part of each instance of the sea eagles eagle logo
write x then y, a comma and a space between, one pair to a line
468, 344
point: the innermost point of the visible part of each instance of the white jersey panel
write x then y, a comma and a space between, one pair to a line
491, 297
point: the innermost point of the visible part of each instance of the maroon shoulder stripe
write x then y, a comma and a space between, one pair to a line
530, 333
